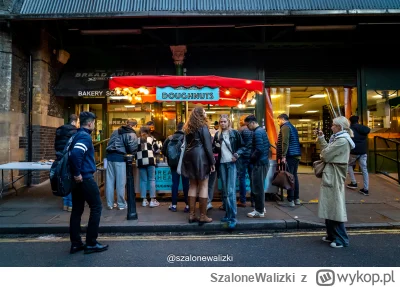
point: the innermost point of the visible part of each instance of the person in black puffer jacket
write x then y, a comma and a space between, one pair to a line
260, 160
359, 153
63, 134
244, 163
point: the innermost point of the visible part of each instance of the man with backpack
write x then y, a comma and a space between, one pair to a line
83, 166
172, 150
63, 134
122, 141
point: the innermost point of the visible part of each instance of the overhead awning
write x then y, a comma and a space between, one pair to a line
197, 89
142, 8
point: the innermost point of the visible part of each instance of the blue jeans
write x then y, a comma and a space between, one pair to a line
175, 185
362, 159
147, 173
245, 165
68, 200
228, 181
337, 232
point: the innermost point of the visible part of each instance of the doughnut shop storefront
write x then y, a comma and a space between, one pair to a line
198, 90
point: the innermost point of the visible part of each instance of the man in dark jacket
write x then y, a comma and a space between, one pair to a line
122, 141
83, 166
359, 153
260, 160
289, 152
244, 162
63, 134
176, 141
155, 134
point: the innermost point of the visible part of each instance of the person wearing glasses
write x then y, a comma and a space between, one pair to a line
332, 202
259, 159
229, 145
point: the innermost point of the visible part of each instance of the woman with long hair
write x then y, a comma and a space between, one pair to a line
228, 144
332, 202
198, 161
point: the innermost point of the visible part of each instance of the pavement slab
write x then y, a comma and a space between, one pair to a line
36, 210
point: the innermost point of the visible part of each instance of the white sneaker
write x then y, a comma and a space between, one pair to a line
145, 202
297, 201
154, 203
255, 214
209, 206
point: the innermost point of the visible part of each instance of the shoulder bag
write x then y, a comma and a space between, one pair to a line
318, 167
183, 148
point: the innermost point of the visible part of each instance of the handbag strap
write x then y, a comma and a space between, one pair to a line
226, 144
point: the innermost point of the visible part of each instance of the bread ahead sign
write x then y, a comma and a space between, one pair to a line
183, 94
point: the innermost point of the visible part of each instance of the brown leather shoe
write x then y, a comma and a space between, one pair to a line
203, 211
192, 209
241, 204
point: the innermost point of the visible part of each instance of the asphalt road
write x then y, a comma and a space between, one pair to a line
300, 249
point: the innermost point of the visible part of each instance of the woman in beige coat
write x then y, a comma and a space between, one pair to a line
332, 202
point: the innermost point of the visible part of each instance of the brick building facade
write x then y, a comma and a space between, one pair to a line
47, 110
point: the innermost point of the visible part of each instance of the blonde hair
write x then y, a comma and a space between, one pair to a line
344, 123
229, 124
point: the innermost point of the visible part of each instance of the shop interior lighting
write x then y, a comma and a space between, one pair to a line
170, 105
305, 120
241, 106
210, 112
275, 96
311, 112
253, 101
377, 97
295, 105
227, 92
278, 112
119, 97
318, 96
248, 82
129, 106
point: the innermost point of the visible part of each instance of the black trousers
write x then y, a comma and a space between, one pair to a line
258, 176
293, 165
85, 191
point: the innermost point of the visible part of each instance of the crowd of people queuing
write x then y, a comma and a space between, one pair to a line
198, 156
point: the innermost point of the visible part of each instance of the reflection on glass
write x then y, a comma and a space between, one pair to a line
383, 111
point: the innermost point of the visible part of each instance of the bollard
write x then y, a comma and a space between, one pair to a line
130, 189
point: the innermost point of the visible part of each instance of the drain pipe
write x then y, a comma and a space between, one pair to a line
30, 99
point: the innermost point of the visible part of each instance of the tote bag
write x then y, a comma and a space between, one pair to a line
183, 147
283, 179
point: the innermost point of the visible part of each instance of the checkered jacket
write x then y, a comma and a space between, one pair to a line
146, 152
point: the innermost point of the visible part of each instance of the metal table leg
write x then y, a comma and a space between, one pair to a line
2, 183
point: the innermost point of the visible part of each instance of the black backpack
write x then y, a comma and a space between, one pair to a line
61, 178
174, 150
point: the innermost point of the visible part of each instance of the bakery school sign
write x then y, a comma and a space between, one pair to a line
171, 94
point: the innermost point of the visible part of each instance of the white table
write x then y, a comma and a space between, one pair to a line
28, 166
